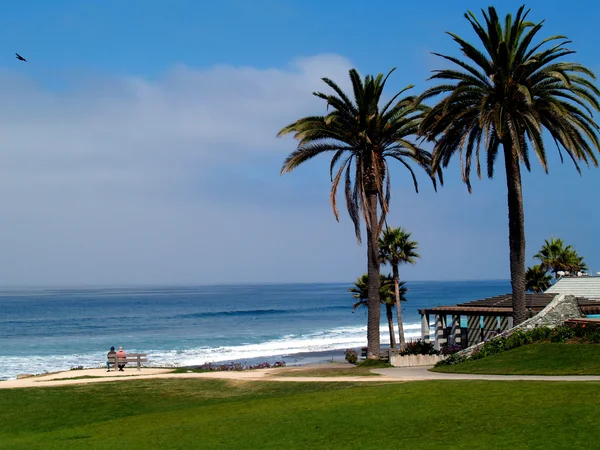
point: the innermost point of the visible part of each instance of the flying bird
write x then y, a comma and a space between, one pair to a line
20, 58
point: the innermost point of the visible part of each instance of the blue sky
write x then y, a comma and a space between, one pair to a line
138, 143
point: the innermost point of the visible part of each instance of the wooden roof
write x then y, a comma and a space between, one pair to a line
589, 306
501, 305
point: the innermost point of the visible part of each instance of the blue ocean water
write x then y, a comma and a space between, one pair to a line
56, 329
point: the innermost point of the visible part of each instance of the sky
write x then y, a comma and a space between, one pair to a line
138, 144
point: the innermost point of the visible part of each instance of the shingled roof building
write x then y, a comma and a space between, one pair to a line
490, 316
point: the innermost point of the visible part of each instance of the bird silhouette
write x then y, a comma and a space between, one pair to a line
20, 58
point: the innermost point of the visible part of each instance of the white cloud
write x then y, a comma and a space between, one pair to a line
121, 180
176, 180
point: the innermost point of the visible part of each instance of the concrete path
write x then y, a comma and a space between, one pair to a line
397, 374
422, 373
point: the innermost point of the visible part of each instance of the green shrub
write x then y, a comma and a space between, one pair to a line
419, 347
562, 333
540, 333
351, 356
580, 331
517, 339
594, 336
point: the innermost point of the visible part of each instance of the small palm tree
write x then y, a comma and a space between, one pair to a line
556, 257
503, 96
576, 263
395, 248
363, 137
537, 279
387, 298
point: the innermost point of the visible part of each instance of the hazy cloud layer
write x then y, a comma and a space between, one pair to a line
176, 180
132, 181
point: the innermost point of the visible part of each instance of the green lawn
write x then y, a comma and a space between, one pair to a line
178, 414
325, 370
536, 359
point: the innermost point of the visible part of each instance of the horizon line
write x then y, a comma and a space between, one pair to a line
249, 283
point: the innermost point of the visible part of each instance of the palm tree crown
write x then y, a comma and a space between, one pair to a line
556, 257
396, 247
537, 279
507, 94
360, 290
362, 136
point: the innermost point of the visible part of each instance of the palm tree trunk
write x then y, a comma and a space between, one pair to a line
390, 319
401, 341
516, 231
374, 306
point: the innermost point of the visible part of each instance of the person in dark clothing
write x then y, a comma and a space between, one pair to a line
110, 357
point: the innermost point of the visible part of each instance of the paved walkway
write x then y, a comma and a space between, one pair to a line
422, 373
396, 374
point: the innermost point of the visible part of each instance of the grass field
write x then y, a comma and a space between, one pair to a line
326, 370
536, 359
179, 414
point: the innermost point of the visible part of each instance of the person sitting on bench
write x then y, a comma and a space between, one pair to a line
110, 357
121, 356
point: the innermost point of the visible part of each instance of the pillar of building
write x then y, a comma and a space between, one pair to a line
440, 329
474, 330
425, 330
456, 331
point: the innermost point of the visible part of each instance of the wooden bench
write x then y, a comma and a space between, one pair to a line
137, 358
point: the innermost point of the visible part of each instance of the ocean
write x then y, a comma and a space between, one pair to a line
47, 330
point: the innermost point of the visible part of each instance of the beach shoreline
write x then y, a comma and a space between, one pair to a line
294, 359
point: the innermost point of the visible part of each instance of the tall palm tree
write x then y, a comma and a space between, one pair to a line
386, 295
556, 257
395, 248
504, 96
537, 279
363, 137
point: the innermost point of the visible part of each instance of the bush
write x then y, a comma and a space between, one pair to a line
587, 332
540, 334
351, 356
562, 333
515, 340
419, 347
594, 336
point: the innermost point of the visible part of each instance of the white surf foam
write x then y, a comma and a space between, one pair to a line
326, 340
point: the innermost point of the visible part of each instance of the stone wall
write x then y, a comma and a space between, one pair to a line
561, 308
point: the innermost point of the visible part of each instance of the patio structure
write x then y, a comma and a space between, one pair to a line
484, 319
490, 316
